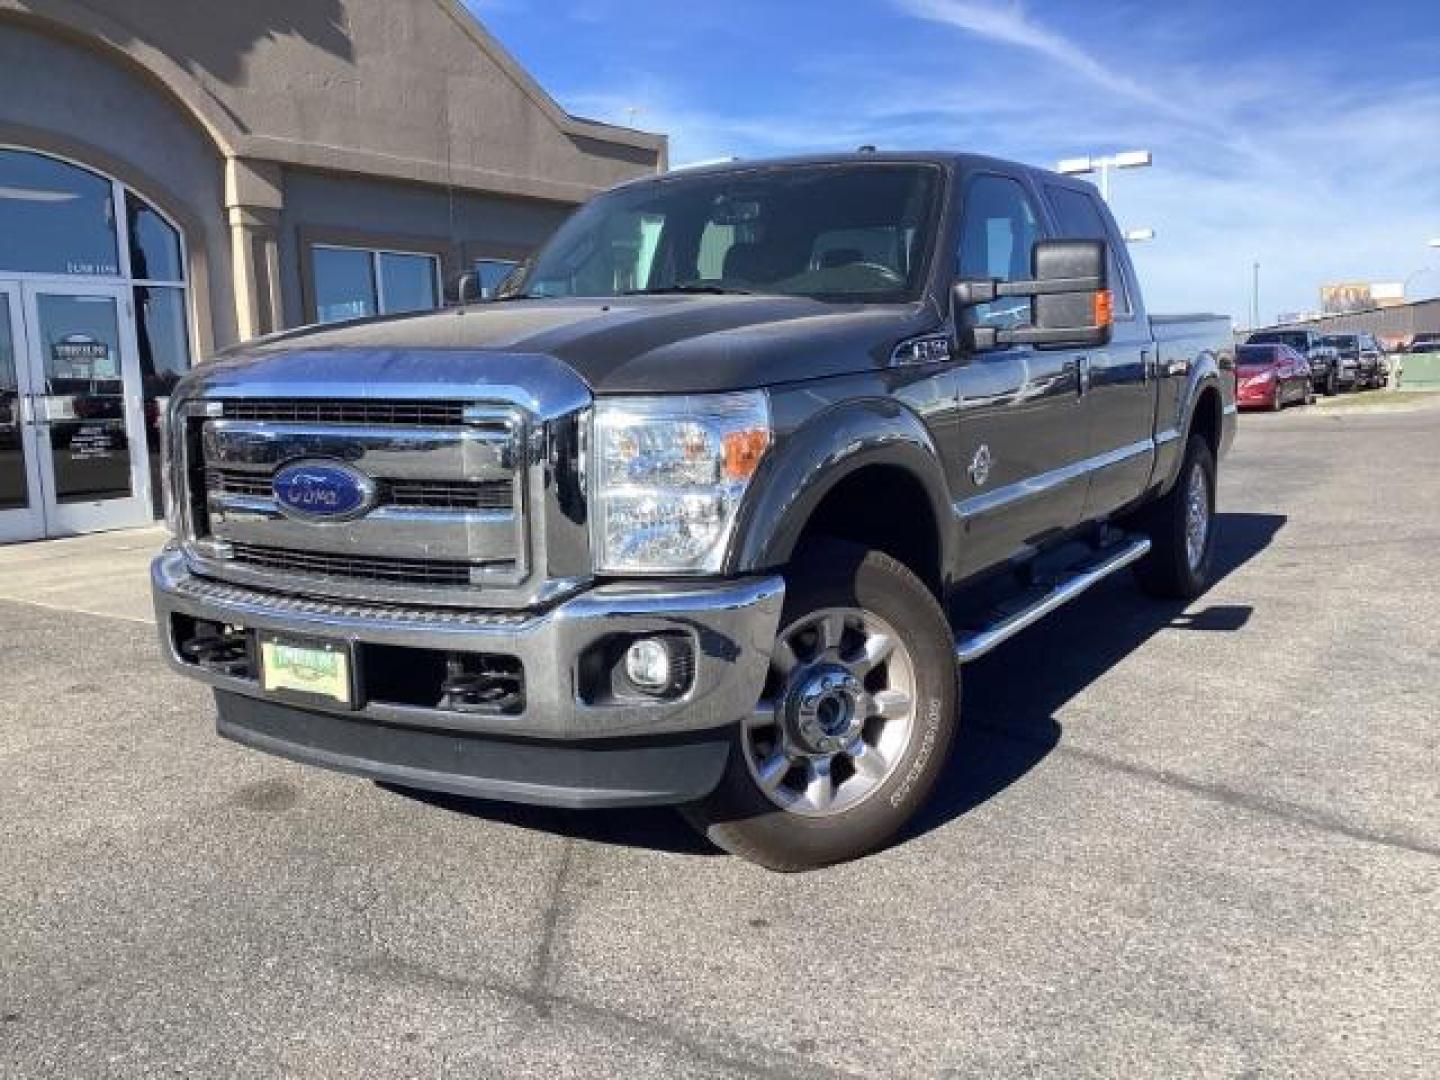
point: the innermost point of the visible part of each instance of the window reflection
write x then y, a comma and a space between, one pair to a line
154, 245
13, 490
55, 218
409, 282
163, 343
84, 397
352, 283
493, 273
344, 284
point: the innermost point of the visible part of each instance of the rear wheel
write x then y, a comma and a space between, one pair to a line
1182, 530
855, 721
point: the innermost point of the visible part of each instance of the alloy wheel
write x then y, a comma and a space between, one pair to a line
1197, 516
837, 714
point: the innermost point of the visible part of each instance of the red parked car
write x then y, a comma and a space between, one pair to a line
1271, 377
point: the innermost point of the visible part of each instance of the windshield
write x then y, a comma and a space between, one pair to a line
1255, 355
846, 232
1298, 342
1343, 342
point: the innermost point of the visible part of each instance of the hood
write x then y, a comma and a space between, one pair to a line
656, 344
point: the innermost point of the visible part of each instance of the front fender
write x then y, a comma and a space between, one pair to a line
810, 461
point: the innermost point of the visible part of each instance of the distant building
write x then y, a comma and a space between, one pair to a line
1395, 326
1351, 297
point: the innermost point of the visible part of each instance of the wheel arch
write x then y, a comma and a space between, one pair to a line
1204, 413
876, 454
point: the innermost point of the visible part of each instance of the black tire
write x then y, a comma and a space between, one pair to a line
1278, 402
1332, 385
740, 818
1168, 571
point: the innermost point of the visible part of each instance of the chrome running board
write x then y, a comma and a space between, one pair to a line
1058, 595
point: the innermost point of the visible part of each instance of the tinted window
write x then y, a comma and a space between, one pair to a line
55, 218
13, 489
1255, 354
792, 231
1080, 219
998, 230
1298, 341
492, 274
408, 282
154, 245
344, 284
161, 336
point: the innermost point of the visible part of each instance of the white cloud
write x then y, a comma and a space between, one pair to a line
1007, 23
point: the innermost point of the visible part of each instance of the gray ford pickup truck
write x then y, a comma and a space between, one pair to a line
708, 508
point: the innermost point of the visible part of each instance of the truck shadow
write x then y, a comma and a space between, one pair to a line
1010, 697
1009, 704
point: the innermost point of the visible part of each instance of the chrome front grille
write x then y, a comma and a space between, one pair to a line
321, 411
366, 568
448, 522
432, 494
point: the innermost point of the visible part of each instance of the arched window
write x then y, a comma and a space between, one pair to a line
62, 220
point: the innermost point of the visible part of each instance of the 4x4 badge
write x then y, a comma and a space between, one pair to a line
980, 465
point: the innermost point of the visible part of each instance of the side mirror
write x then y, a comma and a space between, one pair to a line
1069, 291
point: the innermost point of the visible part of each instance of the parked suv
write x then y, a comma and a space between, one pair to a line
1325, 368
1360, 360
708, 508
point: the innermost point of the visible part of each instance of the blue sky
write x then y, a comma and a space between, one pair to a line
1304, 134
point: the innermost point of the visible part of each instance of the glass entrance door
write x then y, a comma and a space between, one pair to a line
85, 409
21, 513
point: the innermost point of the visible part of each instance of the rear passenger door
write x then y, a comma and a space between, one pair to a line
1119, 390
1021, 428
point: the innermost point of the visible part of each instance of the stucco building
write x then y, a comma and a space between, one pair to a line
179, 175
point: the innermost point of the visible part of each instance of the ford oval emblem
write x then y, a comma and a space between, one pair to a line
323, 491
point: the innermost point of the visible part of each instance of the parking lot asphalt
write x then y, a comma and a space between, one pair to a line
1174, 841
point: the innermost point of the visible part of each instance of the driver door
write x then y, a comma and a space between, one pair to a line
1022, 428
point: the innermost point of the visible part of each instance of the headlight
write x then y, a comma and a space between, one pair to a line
668, 474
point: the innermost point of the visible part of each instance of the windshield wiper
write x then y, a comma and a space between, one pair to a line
690, 287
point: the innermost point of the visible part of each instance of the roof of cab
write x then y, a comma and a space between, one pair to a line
946, 159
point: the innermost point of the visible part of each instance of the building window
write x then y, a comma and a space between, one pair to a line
492, 274
351, 283
56, 218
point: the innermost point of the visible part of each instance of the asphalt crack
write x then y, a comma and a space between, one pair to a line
543, 975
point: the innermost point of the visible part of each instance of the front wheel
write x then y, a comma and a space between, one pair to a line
854, 723
1182, 530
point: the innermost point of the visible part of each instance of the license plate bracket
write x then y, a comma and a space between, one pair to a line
308, 670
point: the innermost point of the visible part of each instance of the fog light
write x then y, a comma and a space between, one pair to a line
647, 665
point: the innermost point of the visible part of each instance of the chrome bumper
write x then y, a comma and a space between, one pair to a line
732, 625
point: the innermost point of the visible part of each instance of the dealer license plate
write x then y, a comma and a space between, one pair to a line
320, 668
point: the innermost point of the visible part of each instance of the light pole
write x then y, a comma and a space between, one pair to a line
1084, 166
1255, 297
